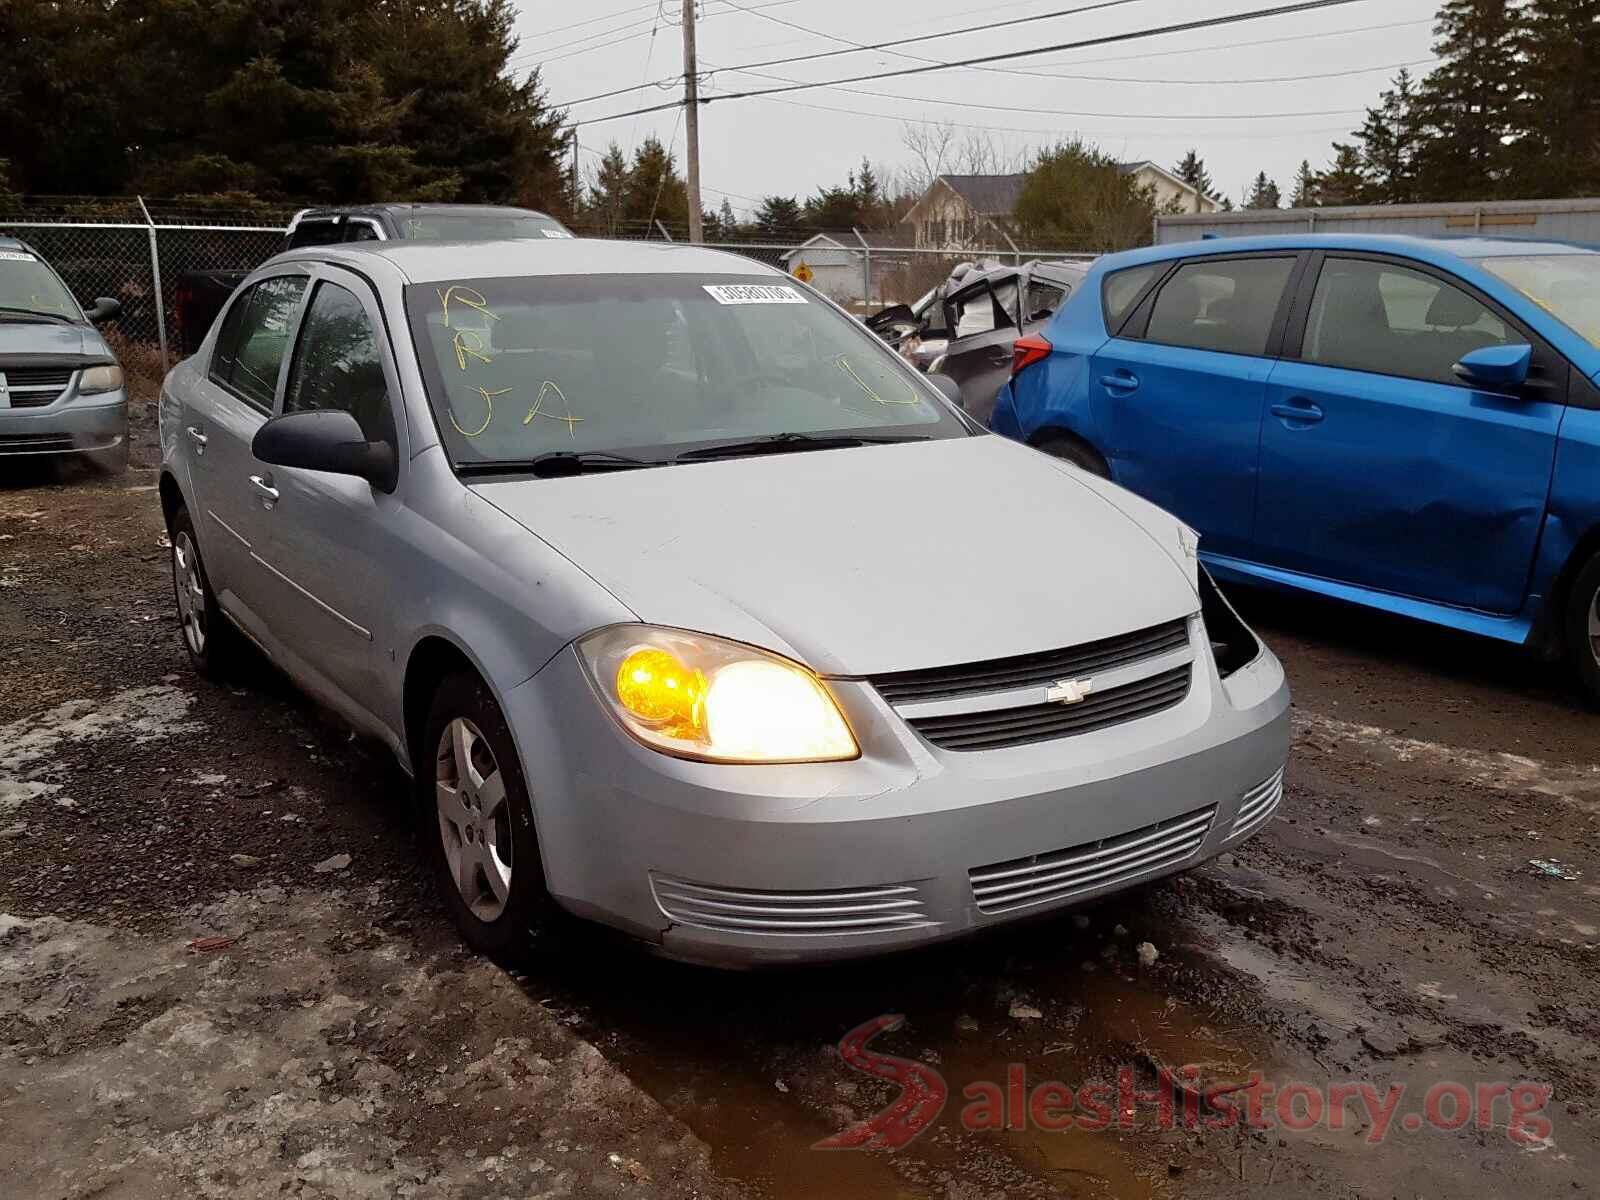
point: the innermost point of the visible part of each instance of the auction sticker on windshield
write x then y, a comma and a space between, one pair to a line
753, 293
15, 256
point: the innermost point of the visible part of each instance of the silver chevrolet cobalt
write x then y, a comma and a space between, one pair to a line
694, 610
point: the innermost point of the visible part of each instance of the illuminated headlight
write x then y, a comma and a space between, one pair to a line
100, 379
698, 696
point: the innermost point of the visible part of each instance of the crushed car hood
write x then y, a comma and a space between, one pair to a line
866, 559
45, 343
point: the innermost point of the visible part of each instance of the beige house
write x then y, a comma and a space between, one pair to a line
963, 211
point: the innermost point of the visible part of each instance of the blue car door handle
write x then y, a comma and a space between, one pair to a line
1297, 414
1120, 382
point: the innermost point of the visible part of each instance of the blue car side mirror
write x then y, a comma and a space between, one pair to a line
1496, 368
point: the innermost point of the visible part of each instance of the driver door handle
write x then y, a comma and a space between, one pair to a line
264, 488
1120, 382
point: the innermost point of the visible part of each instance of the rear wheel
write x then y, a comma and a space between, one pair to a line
478, 821
1075, 451
1583, 628
214, 646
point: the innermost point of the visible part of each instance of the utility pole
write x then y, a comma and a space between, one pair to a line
691, 116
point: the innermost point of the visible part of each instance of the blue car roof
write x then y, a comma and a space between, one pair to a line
1437, 248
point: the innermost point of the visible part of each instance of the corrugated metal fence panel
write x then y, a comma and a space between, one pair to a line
1564, 220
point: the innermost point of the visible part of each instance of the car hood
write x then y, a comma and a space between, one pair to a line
41, 343
867, 559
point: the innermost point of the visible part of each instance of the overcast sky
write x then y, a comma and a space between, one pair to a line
1219, 90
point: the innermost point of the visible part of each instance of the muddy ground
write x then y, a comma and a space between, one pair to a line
222, 973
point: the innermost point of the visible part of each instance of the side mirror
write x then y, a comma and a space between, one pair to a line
948, 388
103, 309
1495, 368
327, 441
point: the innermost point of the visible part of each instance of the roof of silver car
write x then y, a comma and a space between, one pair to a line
437, 262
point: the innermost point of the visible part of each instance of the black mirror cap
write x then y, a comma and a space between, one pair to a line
948, 388
327, 440
103, 309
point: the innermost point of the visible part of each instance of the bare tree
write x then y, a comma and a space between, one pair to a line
930, 145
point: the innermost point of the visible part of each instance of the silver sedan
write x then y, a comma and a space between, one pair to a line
694, 610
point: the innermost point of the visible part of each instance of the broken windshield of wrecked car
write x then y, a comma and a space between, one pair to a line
653, 365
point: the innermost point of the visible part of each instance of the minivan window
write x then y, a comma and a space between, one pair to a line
315, 233
251, 345
1225, 304
1391, 320
648, 365
27, 285
337, 365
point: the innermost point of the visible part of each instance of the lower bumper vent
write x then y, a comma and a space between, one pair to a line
867, 910
1044, 878
1258, 805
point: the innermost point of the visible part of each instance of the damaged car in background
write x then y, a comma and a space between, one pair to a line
965, 327
610, 544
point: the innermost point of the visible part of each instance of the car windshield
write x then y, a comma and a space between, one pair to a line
1567, 286
28, 285
652, 365
480, 227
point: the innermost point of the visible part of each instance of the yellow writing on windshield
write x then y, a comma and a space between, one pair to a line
545, 390
488, 412
468, 343
843, 363
461, 294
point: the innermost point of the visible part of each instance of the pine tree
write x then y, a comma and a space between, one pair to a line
656, 192
778, 218
1263, 193
1465, 108
609, 193
1305, 187
1389, 145
1192, 170
1558, 111
1345, 180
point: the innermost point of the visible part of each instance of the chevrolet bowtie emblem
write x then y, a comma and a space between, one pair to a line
1068, 691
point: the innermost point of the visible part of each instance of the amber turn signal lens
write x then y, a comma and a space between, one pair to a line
655, 686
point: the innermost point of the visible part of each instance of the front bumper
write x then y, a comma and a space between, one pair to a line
907, 845
72, 424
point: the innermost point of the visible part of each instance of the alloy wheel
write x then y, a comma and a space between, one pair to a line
190, 592
474, 819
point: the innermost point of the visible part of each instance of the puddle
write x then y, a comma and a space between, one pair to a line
748, 1061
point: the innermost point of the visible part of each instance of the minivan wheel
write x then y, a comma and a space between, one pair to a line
1583, 628
213, 646
478, 821
1079, 454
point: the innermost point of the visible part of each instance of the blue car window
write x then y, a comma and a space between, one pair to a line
1122, 288
1223, 304
1390, 320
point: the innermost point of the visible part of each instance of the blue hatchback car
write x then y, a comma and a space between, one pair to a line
1411, 424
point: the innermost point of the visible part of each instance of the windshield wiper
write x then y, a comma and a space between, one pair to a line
779, 443
560, 462
8, 310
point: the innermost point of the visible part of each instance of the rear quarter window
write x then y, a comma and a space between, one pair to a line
1120, 289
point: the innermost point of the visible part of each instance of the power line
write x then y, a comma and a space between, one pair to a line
596, 20
1299, 37
1104, 40
857, 47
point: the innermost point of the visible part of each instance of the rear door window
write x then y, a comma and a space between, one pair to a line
251, 344
1043, 299
982, 308
1391, 320
1225, 304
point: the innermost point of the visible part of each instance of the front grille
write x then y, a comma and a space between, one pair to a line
34, 387
1001, 727
1258, 805
1043, 878
885, 909
1032, 670
30, 443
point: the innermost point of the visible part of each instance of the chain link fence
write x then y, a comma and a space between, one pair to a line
145, 257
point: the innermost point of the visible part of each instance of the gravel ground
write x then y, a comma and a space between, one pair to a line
221, 971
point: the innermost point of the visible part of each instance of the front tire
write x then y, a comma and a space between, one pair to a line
1583, 628
477, 820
